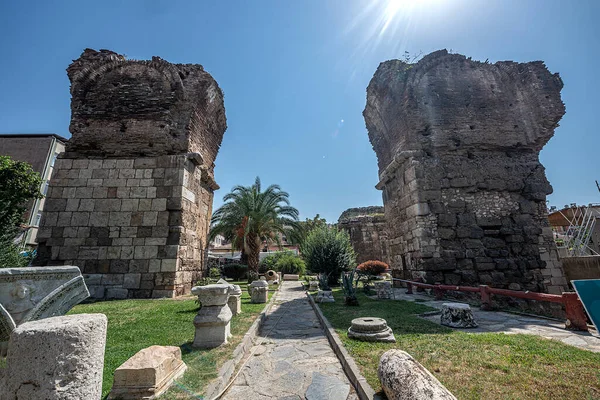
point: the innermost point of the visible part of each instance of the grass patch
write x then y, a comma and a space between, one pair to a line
137, 324
472, 366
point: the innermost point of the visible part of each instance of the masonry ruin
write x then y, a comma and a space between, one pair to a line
368, 232
464, 192
130, 200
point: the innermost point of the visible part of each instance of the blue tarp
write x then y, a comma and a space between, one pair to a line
589, 294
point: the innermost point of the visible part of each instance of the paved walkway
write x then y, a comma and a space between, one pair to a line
295, 361
496, 321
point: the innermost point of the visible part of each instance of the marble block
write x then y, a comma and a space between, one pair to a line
148, 374
32, 293
56, 358
259, 291
213, 319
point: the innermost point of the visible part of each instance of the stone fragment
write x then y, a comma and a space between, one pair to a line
324, 296
56, 358
384, 289
148, 374
402, 377
32, 293
259, 291
235, 300
371, 329
457, 315
313, 285
291, 277
212, 321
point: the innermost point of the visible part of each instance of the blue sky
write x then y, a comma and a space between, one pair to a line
295, 73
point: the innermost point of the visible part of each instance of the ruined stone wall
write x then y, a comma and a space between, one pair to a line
464, 192
131, 198
368, 232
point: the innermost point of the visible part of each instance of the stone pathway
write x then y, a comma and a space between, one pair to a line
295, 360
496, 321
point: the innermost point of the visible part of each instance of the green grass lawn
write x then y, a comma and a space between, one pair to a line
137, 324
472, 366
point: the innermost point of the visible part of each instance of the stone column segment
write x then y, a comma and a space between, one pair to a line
58, 358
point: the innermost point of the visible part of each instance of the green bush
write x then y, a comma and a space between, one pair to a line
290, 264
328, 250
235, 271
270, 261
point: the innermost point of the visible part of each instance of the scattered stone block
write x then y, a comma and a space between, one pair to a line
212, 321
457, 315
56, 358
259, 292
313, 285
148, 374
384, 290
402, 377
235, 300
32, 293
371, 329
324, 296
291, 277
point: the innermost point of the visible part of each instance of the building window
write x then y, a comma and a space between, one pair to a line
38, 217
45, 187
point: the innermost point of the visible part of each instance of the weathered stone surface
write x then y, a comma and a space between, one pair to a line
368, 232
457, 315
327, 387
148, 374
384, 290
402, 377
213, 319
371, 329
32, 293
457, 143
324, 296
56, 358
133, 192
291, 277
259, 291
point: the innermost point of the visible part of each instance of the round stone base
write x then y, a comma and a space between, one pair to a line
371, 329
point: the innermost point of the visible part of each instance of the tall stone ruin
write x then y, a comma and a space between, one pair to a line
464, 192
368, 232
131, 198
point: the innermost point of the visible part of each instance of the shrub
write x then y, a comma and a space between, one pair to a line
214, 273
328, 250
372, 267
349, 287
291, 264
235, 271
271, 260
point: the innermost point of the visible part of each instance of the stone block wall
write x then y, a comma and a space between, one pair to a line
130, 200
136, 227
464, 192
368, 233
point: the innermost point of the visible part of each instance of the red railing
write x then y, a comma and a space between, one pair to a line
576, 316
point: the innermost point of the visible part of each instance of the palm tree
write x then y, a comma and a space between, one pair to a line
250, 217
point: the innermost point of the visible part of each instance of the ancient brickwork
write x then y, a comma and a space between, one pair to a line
131, 198
464, 192
368, 232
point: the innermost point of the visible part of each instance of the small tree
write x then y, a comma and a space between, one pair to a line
328, 250
19, 184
